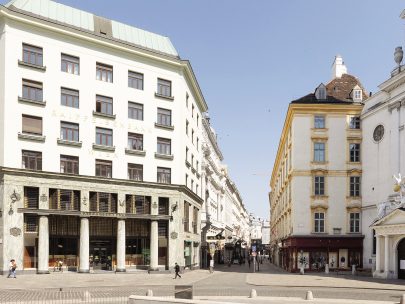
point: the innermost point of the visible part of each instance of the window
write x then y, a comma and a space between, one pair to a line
198, 143
104, 72
196, 166
135, 141
135, 110
32, 160
69, 98
355, 222
70, 64
31, 197
319, 122
104, 105
164, 87
192, 110
354, 122
163, 175
192, 136
135, 172
192, 185
187, 127
192, 160
195, 219
187, 97
355, 186
32, 90
32, 54
69, 131
198, 119
103, 168
164, 117
69, 164
163, 206
104, 137
354, 152
319, 152
103, 202
186, 216
30, 223
186, 180
135, 80
186, 153
357, 95
64, 199
319, 185
164, 146
32, 125
319, 221
137, 204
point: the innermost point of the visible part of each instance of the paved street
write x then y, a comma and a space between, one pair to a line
224, 282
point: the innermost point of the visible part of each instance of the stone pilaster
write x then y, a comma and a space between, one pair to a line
43, 245
154, 245
121, 246
84, 266
387, 254
378, 254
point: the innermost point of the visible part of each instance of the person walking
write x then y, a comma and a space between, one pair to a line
176, 270
211, 265
13, 267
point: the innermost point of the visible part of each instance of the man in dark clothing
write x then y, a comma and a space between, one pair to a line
177, 270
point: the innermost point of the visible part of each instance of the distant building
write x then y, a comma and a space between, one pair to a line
316, 197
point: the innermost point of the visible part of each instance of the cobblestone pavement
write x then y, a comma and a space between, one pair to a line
224, 282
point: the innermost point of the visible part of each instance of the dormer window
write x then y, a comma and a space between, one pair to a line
357, 94
320, 92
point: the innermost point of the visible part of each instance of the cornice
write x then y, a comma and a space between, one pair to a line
393, 83
212, 139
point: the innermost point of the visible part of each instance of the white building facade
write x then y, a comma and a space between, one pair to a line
99, 122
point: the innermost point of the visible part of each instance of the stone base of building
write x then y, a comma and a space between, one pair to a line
384, 275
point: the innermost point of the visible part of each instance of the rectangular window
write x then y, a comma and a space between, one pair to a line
135, 172
187, 123
137, 204
198, 119
103, 168
357, 94
135, 141
104, 105
164, 117
31, 125
197, 144
355, 186
61, 199
319, 221
319, 152
69, 164
70, 64
355, 222
135, 80
31, 197
104, 72
30, 223
195, 220
163, 175
104, 137
32, 160
32, 54
163, 206
354, 152
319, 185
103, 202
32, 90
69, 98
319, 122
186, 216
69, 131
164, 146
192, 136
164, 87
354, 122
135, 110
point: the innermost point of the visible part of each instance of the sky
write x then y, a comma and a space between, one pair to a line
251, 58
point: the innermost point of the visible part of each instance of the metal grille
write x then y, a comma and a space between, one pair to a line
103, 202
31, 197
61, 199
30, 223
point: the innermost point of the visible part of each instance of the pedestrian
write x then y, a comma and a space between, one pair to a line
211, 265
176, 270
12, 268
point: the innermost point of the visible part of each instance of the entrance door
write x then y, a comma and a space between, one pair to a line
101, 254
401, 259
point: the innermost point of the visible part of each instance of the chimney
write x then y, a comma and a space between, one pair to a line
338, 67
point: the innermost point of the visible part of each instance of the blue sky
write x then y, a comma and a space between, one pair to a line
252, 58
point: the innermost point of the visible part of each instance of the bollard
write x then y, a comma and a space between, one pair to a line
149, 293
309, 295
353, 269
253, 293
326, 268
402, 301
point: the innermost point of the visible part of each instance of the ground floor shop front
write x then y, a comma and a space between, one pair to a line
314, 253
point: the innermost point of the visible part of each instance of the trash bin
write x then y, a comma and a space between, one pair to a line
183, 292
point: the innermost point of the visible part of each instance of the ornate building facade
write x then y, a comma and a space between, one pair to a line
315, 198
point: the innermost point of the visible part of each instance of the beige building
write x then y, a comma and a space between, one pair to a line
315, 199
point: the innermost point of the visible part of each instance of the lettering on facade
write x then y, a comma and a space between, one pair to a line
15, 231
103, 214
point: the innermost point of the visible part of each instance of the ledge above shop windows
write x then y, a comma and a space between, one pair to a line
33, 66
32, 137
135, 152
32, 101
170, 98
104, 148
157, 125
103, 115
65, 142
164, 156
